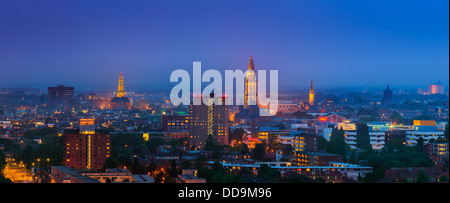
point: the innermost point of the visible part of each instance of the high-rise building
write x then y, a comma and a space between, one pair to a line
250, 85
207, 120
387, 96
311, 94
437, 88
60, 94
85, 149
120, 102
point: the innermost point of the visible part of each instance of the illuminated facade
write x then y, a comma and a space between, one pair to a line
437, 150
120, 88
304, 142
316, 158
250, 85
84, 149
426, 129
311, 94
437, 88
269, 134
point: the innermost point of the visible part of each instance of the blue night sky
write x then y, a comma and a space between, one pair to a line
336, 43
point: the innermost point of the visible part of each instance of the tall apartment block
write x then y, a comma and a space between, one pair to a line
207, 120
84, 149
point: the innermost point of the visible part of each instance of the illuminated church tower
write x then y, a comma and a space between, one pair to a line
120, 102
121, 88
311, 94
250, 86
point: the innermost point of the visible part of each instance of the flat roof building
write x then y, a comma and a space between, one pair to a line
84, 148
60, 94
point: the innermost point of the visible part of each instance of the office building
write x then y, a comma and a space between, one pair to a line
437, 88
60, 94
426, 129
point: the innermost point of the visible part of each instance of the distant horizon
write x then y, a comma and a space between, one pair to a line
87, 88
112, 83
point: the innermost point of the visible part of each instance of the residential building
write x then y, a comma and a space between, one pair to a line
376, 139
316, 158
189, 176
175, 123
85, 149
207, 120
437, 150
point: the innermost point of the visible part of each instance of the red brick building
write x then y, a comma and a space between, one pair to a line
437, 151
85, 149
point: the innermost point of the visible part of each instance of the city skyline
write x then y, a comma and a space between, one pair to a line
336, 44
225, 92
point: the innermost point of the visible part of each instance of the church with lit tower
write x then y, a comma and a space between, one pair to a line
307, 105
250, 85
120, 102
249, 111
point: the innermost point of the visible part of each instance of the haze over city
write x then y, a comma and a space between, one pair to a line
335, 43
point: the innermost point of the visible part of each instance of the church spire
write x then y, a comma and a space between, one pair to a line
251, 66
